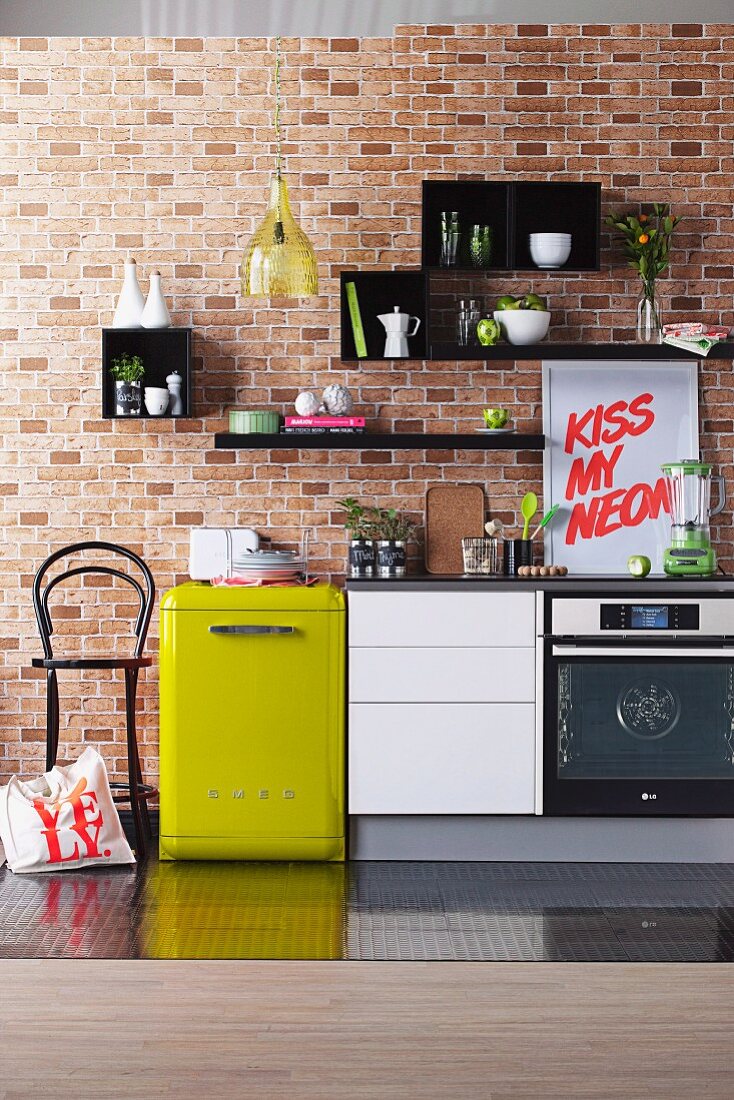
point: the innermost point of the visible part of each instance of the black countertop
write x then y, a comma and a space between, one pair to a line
613, 584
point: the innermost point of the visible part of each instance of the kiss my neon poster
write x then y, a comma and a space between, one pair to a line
608, 428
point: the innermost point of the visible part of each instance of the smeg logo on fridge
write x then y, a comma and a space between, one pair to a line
239, 793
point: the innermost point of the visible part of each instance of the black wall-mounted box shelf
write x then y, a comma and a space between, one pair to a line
383, 441
514, 210
162, 350
379, 292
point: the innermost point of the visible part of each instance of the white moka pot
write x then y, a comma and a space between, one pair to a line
396, 326
130, 304
155, 314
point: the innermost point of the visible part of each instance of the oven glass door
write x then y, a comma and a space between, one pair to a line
638, 730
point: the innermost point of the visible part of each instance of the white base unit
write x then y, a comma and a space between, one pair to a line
441, 675
444, 619
441, 758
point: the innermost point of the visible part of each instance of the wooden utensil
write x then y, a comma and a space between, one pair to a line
545, 520
453, 512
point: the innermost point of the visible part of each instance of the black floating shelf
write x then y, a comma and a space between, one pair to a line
390, 441
510, 353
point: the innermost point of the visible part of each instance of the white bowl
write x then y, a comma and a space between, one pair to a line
549, 253
523, 326
156, 400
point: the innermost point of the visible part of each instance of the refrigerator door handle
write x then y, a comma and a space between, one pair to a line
252, 629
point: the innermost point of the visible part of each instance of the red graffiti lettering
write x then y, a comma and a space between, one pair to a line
598, 471
86, 827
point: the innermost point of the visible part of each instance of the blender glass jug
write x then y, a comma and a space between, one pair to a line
689, 495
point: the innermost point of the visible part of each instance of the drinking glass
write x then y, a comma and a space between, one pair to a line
480, 246
450, 237
467, 320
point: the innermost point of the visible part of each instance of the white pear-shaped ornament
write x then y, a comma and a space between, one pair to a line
130, 304
155, 314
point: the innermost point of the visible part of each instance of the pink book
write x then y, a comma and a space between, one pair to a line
324, 422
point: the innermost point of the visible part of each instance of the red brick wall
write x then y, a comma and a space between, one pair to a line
163, 147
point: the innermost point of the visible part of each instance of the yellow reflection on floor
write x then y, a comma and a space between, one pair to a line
244, 911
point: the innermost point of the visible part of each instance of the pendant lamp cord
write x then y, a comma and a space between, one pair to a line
277, 107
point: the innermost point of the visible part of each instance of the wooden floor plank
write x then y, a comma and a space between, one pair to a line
378, 1031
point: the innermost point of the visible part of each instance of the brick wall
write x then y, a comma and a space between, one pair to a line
162, 148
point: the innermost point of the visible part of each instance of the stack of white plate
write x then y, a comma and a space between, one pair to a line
269, 565
550, 250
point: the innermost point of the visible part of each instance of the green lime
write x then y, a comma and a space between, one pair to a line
506, 302
639, 565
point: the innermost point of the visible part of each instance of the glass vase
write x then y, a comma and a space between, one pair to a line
480, 246
649, 318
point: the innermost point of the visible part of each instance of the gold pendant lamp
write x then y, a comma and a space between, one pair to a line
279, 261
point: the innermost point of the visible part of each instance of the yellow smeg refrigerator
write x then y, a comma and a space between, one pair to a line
252, 723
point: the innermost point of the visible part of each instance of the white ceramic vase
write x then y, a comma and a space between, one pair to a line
155, 314
130, 303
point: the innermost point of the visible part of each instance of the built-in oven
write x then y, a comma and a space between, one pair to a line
638, 706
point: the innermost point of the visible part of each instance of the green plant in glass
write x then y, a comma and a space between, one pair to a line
127, 368
646, 241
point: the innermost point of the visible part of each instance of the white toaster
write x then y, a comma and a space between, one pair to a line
213, 549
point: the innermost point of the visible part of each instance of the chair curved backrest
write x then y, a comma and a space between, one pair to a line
145, 590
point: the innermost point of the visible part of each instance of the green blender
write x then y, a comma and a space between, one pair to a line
689, 494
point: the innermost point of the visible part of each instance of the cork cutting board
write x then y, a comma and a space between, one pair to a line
453, 512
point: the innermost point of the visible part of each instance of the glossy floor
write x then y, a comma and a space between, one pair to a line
374, 911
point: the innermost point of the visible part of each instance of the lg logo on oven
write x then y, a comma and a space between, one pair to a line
646, 796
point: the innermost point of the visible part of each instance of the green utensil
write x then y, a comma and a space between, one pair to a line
528, 508
546, 519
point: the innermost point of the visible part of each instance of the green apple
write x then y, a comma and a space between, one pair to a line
517, 304
506, 302
488, 332
534, 301
639, 565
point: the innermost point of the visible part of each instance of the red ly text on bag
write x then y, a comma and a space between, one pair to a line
85, 827
605, 512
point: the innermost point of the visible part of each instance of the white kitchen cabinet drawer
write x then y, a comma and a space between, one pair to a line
441, 759
428, 618
441, 675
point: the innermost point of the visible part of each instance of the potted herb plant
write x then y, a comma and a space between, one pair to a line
361, 547
646, 239
128, 371
392, 532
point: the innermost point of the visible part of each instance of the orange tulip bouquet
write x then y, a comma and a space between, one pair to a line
646, 240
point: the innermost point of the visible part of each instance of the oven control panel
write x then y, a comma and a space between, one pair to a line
649, 616
587, 617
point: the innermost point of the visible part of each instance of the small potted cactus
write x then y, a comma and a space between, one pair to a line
361, 547
128, 372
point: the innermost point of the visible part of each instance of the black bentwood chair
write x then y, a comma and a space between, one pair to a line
134, 791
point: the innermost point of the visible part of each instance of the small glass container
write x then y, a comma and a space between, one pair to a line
467, 320
450, 238
480, 246
481, 556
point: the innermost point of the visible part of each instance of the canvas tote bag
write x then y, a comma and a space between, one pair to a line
64, 819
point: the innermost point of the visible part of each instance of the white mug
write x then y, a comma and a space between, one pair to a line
156, 400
